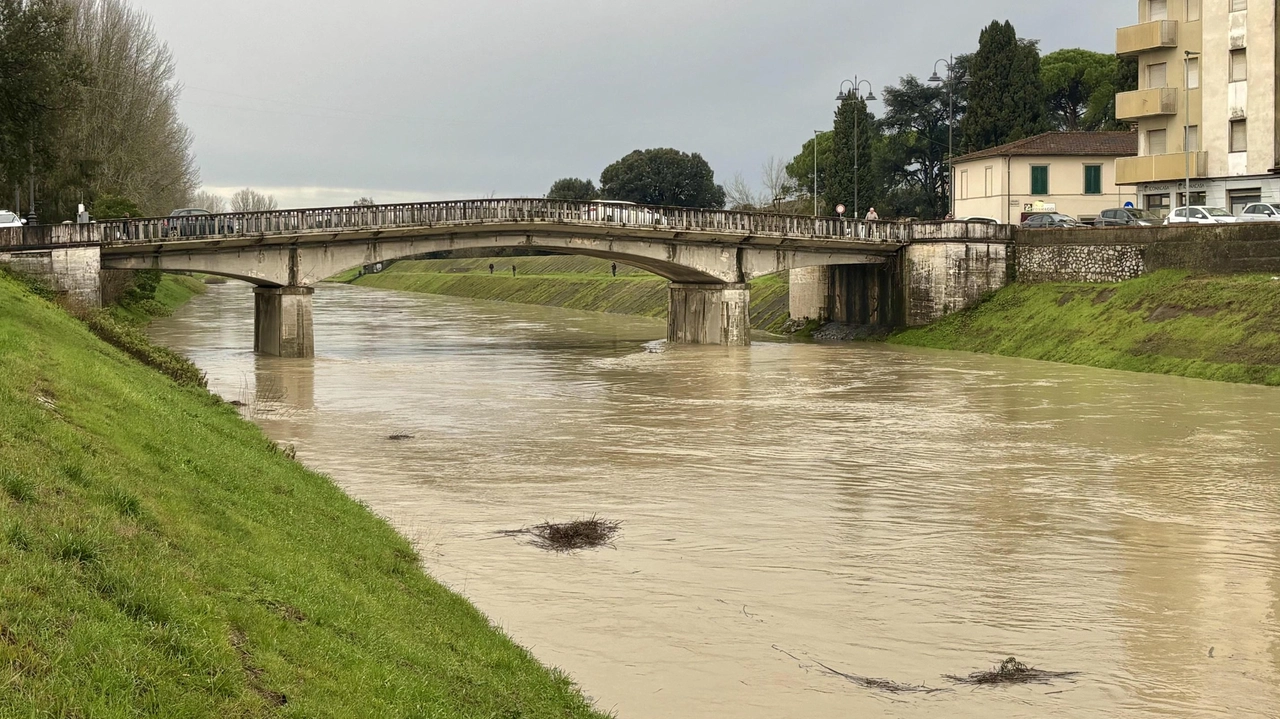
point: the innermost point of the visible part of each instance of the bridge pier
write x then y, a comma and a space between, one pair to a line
709, 315
282, 323
865, 295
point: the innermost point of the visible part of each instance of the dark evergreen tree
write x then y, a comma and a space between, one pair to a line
911, 155
1006, 99
854, 139
662, 177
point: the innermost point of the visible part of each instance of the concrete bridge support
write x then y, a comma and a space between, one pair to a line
869, 295
73, 272
709, 314
282, 322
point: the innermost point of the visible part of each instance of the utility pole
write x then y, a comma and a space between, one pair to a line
1186, 123
952, 81
816, 134
856, 92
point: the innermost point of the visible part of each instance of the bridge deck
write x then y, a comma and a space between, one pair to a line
364, 223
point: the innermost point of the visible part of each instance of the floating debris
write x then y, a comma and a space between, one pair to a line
883, 685
570, 537
1011, 671
401, 437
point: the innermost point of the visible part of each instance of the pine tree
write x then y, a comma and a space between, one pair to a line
855, 133
1006, 95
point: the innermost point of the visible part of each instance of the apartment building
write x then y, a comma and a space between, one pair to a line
1206, 106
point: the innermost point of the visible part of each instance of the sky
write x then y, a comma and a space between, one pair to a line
321, 102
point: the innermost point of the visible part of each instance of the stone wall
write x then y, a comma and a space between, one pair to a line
73, 273
810, 292
1122, 253
946, 277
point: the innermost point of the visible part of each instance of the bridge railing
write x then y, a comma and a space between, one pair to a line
471, 212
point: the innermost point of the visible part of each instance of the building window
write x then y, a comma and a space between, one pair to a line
1192, 139
1197, 199
1239, 136
1239, 66
1093, 179
1237, 200
1158, 204
1157, 10
1040, 180
1193, 10
1157, 75
1156, 142
1238, 5
1193, 73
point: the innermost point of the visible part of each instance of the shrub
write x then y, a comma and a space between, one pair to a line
134, 342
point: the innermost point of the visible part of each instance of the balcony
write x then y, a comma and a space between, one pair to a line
1160, 168
1147, 103
1147, 36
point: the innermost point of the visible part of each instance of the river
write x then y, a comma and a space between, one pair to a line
887, 513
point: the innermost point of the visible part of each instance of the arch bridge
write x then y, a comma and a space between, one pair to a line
708, 256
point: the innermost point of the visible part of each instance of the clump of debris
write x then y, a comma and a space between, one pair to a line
1011, 671
574, 536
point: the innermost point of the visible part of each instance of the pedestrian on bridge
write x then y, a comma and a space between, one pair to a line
872, 215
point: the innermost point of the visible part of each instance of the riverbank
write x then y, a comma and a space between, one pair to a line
580, 283
1169, 322
162, 557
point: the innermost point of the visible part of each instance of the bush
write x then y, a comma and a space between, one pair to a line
134, 342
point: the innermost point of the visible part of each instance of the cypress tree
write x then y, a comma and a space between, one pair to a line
855, 132
1006, 94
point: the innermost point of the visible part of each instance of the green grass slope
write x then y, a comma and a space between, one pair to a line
160, 557
1217, 328
580, 283
170, 293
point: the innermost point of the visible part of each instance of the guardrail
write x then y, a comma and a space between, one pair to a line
479, 212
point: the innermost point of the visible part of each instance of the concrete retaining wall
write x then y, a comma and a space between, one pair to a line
1123, 253
946, 277
73, 273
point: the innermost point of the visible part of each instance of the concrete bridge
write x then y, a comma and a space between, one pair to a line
889, 274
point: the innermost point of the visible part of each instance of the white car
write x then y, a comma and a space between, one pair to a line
9, 219
1201, 216
626, 213
1261, 212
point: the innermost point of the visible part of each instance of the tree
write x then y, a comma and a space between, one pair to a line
573, 189
778, 184
1006, 96
112, 207
248, 200
1080, 89
364, 202
851, 159
911, 157
38, 73
740, 196
800, 170
217, 204
662, 177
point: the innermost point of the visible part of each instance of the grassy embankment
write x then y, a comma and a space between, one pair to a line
1217, 328
159, 556
581, 283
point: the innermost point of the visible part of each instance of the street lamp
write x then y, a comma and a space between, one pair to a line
855, 91
816, 134
1186, 123
952, 81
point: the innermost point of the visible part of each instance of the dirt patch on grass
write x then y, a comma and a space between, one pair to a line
1067, 299
1011, 671
571, 536
1164, 313
240, 643
1103, 297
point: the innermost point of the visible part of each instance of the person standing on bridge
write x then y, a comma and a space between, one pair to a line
872, 215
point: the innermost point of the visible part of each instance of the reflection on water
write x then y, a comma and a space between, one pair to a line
887, 513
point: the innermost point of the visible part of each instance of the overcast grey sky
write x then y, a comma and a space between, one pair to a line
322, 101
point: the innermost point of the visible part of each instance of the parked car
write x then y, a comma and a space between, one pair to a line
1050, 220
10, 219
1261, 212
627, 213
980, 220
194, 222
1201, 215
1128, 217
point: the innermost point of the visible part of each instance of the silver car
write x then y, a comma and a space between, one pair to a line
9, 219
1201, 215
1261, 212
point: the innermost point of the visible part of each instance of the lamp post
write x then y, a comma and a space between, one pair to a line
952, 80
855, 91
1186, 123
816, 134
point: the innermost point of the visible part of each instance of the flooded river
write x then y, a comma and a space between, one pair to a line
885, 513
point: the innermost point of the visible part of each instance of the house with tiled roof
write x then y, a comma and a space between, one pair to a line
1072, 173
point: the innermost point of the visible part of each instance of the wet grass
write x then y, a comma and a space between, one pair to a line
160, 557
1216, 328
581, 283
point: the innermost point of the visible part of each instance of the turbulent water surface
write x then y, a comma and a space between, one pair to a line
884, 513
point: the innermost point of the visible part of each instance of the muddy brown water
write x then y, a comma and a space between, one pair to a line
889, 513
